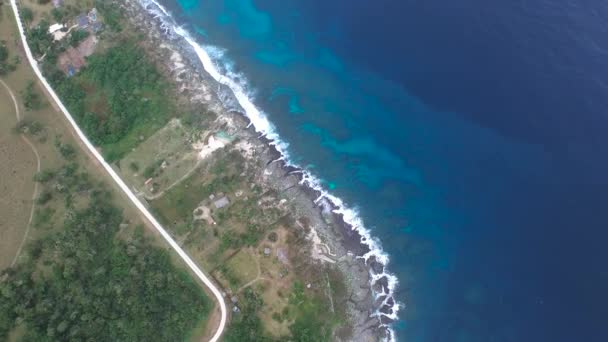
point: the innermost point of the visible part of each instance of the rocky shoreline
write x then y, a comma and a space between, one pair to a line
370, 302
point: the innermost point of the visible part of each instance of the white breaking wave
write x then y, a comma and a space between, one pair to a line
222, 71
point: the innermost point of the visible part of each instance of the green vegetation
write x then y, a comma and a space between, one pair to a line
44, 176
311, 324
31, 127
39, 39
246, 325
27, 14
5, 66
44, 197
118, 98
31, 99
77, 36
58, 14
82, 283
43, 217
153, 170
312, 320
134, 166
110, 13
252, 235
67, 151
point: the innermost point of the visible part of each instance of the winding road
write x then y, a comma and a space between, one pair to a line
123, 186
35, 194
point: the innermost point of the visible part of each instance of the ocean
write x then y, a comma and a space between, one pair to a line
467, 138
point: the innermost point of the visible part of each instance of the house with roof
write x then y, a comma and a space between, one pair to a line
82, 21
57, 31
57, 3
222, 202
89, 20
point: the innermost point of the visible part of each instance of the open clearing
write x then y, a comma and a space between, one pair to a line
16, 184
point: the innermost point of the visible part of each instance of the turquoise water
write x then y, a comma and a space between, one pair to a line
465, 136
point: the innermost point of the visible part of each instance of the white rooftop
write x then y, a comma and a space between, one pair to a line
55, 27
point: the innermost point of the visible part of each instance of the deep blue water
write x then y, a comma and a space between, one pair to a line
469, 135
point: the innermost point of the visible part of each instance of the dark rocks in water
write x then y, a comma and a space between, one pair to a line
381, 285
377, 267
384, 334
387, 309
273, 153
352, 238
291, 170
390, 301
386, 320
379, 301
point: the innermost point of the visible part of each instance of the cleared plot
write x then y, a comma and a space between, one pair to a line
164, 159
241, 269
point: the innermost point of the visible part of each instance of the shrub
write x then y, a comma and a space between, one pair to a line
273, 237
44, 176
44, 197
31, 98
27, 14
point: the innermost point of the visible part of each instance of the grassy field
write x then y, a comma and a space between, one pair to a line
16, 184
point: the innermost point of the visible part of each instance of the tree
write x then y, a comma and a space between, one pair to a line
5, 66
31, 99
39, 38
58, 14
99, 287
77, 36
3, 51
27, 14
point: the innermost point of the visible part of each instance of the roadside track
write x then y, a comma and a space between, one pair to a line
123, 186
35, 194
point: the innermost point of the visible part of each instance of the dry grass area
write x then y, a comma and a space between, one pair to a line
17, 167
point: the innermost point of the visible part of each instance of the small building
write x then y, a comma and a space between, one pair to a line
70, 70
222, 202
267, 251
82, 21
55, 27
57, 31
57, 3
282, 255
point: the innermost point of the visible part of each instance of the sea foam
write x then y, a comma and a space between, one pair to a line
222, 71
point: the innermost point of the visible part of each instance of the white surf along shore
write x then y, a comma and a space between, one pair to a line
266, 129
